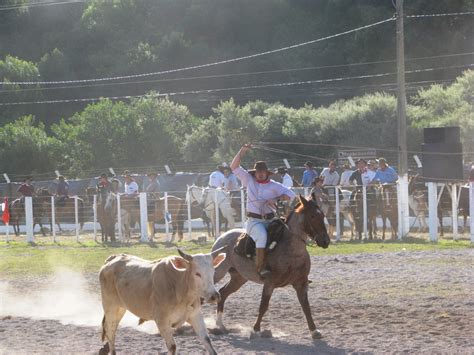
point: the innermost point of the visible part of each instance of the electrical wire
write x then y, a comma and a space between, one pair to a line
200, 66
238, 74
206, 91
39, 4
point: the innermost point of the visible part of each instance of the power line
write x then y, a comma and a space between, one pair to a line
207, 91
39, 4
233, 60
238, 74
441, 15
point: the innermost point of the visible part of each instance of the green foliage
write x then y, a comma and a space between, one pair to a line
25, 148
147, 131
449, 106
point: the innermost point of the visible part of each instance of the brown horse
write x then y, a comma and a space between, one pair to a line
64, 209
289, 262
389, 208
157, 214
17, 211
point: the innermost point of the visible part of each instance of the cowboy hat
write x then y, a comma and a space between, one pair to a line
281, 170
308, 164
152, 173
260, 166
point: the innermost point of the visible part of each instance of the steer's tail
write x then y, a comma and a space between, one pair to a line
103, 328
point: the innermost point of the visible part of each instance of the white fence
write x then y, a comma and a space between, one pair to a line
180, 215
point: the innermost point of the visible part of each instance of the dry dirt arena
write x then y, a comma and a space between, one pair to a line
415, 302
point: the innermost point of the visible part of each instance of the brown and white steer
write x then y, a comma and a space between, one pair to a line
168, 291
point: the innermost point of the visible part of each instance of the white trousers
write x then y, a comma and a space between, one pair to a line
257, 229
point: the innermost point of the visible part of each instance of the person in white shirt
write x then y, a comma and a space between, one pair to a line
345, 175
233, 187
216, 181
286, 179
330, 175
371, 170
262, 196
217, 178
131, 186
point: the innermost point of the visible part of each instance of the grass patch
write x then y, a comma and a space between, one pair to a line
20, 258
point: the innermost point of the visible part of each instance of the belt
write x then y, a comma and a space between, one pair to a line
259, 216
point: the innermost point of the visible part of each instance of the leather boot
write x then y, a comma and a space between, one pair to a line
260, 263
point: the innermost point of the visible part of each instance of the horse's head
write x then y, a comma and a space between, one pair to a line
313, 224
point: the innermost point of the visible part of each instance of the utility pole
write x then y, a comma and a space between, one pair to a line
401, 94
404, 222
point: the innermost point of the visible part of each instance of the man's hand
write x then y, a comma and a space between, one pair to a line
271, 203
245, 148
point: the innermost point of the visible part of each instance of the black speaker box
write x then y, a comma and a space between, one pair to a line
442, 161
448, 135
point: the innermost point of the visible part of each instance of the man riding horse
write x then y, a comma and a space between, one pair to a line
62, 191
262, 196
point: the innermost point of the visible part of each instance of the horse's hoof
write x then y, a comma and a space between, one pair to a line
104, 350
255, 335
316, 334
266, 334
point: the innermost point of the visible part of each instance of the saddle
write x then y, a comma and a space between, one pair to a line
245, 245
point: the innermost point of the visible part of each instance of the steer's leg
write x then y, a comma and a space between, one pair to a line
167, 333
302, 292
266, 295
112, 318
197, 322
236, 281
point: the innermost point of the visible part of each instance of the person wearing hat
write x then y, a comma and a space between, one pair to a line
308, 175
286, 179
103, 186
385, 174
371, 170
231, 185
62, 191
262, 196
217, 178
130, 186
345, 175
26, 188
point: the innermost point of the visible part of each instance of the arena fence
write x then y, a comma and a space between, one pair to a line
173, 214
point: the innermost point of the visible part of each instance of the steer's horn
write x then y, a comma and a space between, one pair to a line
185, 256
218, 251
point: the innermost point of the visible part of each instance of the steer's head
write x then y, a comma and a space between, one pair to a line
201, 267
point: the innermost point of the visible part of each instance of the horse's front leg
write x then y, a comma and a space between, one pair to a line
264, 302
302, 293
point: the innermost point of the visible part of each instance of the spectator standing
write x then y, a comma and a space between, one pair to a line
308, 175
130, 186
345, 175
385, 174
330, 175
62, 190
217, 178
286, 179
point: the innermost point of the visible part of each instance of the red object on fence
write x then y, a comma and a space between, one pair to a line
6, 212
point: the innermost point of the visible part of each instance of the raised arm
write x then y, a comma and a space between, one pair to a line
236, 161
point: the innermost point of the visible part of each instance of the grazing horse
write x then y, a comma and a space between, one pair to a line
17, 211
197, 194
157, 213
289, 262
389, 208
418, 202
64, 211
357, 209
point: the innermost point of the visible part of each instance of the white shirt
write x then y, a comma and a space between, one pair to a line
216, 179
331, 179
131, 189
258, 194
346, 174
367, 177
287, 181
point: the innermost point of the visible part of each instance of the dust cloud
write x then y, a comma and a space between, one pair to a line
66, 297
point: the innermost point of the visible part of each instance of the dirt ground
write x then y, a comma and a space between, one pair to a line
416, 302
